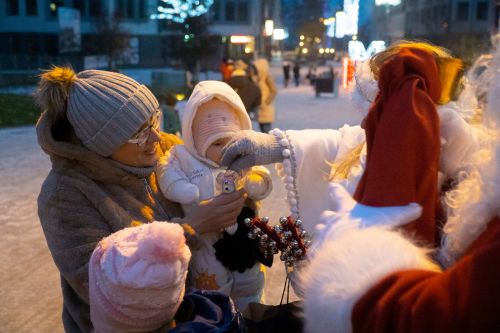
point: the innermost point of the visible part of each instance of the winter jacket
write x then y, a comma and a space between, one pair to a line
85, 198
208, 311
248, 91
179, 171
268, 91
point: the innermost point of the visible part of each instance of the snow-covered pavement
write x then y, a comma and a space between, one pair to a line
30, 298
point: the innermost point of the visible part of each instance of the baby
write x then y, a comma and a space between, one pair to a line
190, 173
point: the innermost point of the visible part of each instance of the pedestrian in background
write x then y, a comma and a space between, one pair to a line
312, 74
227, 69
247, 89
296, 73
286, 72
267, 86
171, 120
223, 69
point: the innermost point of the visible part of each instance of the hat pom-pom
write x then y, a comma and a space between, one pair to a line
53, 88
162, 241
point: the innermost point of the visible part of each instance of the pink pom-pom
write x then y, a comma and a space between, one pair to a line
161, 241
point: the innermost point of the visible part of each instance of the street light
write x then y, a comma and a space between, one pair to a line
269, 28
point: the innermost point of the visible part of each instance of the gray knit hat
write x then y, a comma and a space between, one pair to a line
107, 108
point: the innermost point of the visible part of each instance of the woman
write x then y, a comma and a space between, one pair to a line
101, 131
265, 114
408, 135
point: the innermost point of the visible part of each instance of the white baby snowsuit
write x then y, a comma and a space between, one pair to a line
188, 178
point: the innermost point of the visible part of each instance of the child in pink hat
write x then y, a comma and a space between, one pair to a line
137, 278
226, 261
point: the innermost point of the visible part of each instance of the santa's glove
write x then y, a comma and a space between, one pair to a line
248, 148
351, 215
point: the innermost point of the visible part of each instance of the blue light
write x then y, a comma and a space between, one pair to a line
179, 11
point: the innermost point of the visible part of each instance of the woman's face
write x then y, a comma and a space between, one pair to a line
141, 154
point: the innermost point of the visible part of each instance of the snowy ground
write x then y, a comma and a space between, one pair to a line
30, 299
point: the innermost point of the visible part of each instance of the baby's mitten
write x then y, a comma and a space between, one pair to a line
258, 183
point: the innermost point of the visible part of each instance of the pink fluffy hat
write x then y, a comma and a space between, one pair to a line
137, 278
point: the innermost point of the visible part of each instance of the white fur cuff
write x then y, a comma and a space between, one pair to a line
341, 271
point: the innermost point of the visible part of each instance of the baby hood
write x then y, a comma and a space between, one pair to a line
202, 93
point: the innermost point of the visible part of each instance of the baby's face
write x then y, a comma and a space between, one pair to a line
214, 151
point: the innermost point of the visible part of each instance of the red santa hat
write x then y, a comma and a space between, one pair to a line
403, 139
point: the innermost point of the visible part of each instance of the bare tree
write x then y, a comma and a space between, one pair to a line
110, 39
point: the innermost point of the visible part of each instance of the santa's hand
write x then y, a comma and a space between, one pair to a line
248, 148
351, 215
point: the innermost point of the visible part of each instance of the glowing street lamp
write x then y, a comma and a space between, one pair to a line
268, 28
279, 34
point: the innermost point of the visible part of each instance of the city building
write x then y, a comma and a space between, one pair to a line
245, 27
33, 35
463, 26
37, 33
302, 17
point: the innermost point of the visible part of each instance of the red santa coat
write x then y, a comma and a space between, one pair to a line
464, 298
376, 280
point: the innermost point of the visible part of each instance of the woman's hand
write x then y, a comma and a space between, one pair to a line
249, 148
217, 213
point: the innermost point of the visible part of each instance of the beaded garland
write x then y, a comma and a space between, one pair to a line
287, 171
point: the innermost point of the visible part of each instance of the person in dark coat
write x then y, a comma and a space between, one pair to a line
248, 91
286, 72
296, 73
